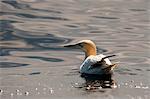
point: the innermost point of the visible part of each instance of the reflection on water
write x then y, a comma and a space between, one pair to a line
34, 64
93, 82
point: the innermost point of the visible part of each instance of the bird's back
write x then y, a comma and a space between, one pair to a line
95, 64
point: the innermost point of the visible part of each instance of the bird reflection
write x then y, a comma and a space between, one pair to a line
93, 81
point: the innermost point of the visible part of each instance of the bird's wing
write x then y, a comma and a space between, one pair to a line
94, 61
102, 62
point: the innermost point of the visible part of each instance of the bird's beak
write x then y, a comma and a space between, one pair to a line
76, 46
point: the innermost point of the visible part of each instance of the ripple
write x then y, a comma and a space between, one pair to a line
129, 28
18, 5
104, 17
72, 26
101, 50
26, 15
10, 65
15, 4
97, 31
148, 70
138, 10
138, 69
18, 40
45, 59
125, 71
133, 59
141, 54
7, 29
35, 73
12, 44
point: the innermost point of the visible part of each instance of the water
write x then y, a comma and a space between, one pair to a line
35, 65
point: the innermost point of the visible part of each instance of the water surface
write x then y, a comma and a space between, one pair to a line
35, 65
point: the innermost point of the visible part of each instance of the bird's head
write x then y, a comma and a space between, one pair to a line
87, 46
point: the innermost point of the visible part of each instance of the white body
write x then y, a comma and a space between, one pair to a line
87, 67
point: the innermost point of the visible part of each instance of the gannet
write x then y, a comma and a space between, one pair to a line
93, 63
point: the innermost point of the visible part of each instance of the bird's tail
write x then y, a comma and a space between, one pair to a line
110, 67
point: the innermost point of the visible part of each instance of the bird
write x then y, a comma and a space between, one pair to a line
93, 64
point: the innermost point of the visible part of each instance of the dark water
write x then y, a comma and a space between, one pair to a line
34, 65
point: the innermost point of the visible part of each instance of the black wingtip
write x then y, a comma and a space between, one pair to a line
108, 56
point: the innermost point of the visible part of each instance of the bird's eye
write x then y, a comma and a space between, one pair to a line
80, 44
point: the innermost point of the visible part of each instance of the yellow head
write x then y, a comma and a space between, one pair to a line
87, 46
